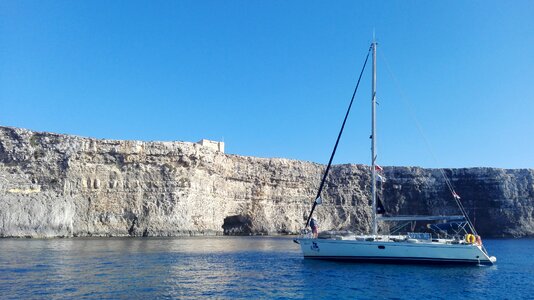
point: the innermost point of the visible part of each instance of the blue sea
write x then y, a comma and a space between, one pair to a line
242, 267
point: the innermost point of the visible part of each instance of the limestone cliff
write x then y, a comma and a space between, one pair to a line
60, 185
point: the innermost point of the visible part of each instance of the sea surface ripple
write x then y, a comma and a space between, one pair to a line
242, 267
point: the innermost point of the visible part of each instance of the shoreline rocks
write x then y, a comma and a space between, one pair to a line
54, 185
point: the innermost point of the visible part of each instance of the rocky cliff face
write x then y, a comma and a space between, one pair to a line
59, 185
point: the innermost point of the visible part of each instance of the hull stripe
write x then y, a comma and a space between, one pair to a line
423, 260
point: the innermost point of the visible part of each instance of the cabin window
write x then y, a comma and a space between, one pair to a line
381, 247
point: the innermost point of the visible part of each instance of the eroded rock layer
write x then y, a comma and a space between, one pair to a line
55, 185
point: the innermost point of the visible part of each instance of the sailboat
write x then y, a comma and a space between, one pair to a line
454, 240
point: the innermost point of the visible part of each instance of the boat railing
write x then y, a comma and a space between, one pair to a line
421, 218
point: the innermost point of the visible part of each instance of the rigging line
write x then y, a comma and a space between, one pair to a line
427, 143
429, 148
337, 141
411, 110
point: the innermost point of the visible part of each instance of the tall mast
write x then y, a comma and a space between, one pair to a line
373, 143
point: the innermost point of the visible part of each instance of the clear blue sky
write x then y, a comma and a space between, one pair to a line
273, 78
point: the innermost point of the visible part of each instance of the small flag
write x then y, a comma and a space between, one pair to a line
455, 195
380, 178
378, 168
318, 200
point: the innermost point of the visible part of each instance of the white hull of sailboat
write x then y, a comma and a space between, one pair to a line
394, 252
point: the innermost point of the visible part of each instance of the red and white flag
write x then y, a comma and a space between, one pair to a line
378, 168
